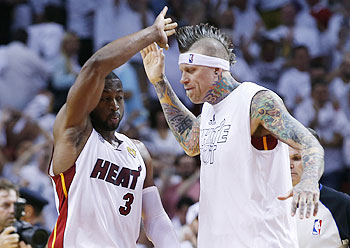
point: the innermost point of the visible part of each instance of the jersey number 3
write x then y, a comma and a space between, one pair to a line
125, 210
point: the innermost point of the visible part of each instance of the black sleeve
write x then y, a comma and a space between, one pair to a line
338, 204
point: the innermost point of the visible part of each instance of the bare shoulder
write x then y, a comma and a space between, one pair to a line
265, 100
148, 162
143, 150
270, 116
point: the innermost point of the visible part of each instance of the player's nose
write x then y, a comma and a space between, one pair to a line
114, 106
184, 79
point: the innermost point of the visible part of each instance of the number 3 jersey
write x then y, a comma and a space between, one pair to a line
99, 198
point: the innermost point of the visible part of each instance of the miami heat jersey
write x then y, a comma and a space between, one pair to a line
240, 184
99, 198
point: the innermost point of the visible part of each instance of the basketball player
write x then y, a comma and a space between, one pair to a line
240, 135
103, 180
331, 226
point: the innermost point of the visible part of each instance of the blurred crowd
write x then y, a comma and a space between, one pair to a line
298, 48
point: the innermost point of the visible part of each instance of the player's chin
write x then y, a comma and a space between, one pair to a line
295, 178
109, 126
113, 127
194, 99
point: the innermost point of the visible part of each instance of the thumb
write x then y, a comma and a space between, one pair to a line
286, 195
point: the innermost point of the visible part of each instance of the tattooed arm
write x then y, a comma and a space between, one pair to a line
268, 113
183, 124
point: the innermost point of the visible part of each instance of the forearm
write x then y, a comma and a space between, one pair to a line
121, 50
184, 125
313, 161
158, 226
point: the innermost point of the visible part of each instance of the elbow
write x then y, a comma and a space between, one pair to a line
191, 152
93, 64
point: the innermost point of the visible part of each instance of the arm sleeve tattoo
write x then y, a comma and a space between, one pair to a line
271, 113
184, 125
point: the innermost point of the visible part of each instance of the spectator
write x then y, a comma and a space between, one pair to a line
24, 75
331, 124
294, 84
66, 68
268, 66
189, 231
45, 38
33, 207
80, 16
136, 115
34, 177
187, 177
340, 86
159, 138
179, 219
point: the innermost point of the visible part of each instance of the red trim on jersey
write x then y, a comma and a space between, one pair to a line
48, 168
270, 142
56, 237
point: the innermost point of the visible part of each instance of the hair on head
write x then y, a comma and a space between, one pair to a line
188, 35
7, 185
112, 78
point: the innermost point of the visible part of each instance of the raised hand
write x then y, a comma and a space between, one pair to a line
153, 61
165, 27
305, 194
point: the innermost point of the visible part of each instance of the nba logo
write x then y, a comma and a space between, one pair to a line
317, 227
190, 59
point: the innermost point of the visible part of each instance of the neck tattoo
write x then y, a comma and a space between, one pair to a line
220, 89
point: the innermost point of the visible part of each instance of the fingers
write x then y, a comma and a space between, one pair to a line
167, 20
309, 203
170, 26
144, 52
24, 245
305, 202
302, 203
315, 204
9, 230
170, 33
315, 208
295, 203
164, 10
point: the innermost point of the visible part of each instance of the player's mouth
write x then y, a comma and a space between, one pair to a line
188, 89
114, 118
294, 174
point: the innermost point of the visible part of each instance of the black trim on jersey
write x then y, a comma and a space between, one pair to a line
338, 204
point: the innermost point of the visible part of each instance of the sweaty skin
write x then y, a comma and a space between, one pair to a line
268, 116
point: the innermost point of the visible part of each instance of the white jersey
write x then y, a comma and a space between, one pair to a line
239, 184
330, 227
320, 231
99, 198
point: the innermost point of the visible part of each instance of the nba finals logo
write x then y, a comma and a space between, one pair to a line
190, 59
317, 227
132, 151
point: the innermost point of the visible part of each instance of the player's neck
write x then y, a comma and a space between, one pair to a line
107, 135
221, 88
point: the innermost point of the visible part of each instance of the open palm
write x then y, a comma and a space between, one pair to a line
153, 61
